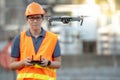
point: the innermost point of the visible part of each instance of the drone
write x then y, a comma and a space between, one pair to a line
66, 19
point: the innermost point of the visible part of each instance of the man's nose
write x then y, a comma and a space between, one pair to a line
35, 20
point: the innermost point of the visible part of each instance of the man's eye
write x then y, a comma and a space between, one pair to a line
35, 18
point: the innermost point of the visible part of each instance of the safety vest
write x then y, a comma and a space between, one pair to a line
46, 49
5, 56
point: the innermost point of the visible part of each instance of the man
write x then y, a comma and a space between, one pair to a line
35, 45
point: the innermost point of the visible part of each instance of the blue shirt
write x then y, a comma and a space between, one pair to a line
15, 50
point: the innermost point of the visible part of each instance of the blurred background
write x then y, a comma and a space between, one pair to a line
89, 52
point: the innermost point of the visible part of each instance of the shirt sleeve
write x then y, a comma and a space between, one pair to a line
57, 51
15, 50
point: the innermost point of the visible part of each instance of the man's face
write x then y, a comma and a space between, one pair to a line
35, 21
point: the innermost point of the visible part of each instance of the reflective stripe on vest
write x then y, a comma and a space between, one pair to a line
46, 49
37, 66
35, 76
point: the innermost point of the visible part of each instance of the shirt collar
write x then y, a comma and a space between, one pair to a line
42, 34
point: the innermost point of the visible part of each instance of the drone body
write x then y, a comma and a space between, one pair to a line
66, 19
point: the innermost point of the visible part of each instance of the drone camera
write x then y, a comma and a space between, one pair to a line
65, 20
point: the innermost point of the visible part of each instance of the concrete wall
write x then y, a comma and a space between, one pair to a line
89, 67
89, 60
6, 74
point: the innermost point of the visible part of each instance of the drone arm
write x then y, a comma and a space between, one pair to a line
81, 22
75, 19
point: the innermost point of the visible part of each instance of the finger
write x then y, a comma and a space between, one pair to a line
43, 65
28, 58
28, 64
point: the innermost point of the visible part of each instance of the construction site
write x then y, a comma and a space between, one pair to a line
90, 51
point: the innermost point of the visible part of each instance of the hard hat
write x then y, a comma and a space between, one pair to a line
34, 8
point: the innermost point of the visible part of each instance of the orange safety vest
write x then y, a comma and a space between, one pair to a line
46, 49
5, 56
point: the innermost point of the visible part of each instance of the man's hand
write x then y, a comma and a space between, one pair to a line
16, 64
44, 62
27, 61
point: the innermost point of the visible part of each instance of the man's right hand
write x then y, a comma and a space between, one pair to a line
27, 61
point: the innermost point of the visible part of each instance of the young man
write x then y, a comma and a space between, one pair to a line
35, 45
